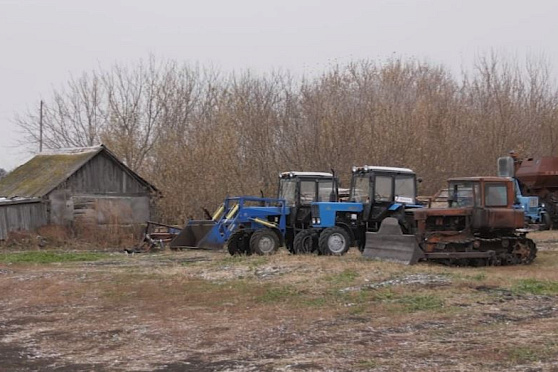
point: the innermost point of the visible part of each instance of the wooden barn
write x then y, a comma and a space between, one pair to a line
69, 186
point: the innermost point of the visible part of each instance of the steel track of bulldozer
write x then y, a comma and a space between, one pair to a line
518, 251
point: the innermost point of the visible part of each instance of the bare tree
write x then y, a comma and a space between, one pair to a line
200, 134
73, 117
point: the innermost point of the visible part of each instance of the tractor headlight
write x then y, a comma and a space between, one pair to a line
316, 221
353, 216
543, 205
354, 169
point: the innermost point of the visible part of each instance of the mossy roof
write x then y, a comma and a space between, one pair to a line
44, 172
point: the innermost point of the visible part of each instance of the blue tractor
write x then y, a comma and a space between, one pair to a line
376, 193
535, 212
248, 225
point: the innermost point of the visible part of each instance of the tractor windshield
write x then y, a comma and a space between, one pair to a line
464, 194
325, 188
361, 189
307, 191
405, 189
287, 191
383, 189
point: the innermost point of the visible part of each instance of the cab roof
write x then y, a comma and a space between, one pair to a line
480, 178
305, 174
374, 168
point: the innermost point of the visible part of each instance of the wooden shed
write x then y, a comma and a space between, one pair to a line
63, 187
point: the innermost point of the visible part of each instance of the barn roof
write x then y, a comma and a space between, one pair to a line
44, 172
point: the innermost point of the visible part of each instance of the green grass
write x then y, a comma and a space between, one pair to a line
347, 276
414, 303
536, 287
366, 364
409, 303
525, 354
278, 294
251, 261
50, 257
479, 277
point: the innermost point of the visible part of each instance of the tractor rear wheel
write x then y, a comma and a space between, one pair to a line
334, 241
546, 222
264, 242
306, 241
239, 243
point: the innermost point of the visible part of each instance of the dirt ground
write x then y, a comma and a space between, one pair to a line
204, 311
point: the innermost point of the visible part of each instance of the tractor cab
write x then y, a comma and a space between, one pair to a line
300, 190
491, 199
383, 191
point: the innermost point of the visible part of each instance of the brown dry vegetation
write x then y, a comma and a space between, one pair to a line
199, 134
203, 311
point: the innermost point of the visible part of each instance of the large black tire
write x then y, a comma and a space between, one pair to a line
264, 242
239, 243
334, 241
306, 242
546, 222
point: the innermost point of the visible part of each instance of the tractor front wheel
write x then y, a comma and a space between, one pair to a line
264, 242
334, 241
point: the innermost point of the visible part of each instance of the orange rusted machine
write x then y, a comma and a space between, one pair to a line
480, 227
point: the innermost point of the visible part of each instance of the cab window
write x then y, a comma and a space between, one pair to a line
287, 191
361, 190
325, 187
495, 195
307, 191
405, 189
383, 188
461, 194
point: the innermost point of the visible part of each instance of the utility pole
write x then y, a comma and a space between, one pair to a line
41, 128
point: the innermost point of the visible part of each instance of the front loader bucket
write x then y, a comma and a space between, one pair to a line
202, 234
390, 244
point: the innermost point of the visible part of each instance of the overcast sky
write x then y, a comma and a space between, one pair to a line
43, 42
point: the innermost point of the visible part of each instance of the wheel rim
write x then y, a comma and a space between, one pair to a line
265, 244
336, 243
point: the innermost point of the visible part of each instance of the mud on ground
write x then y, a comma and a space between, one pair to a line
202, 311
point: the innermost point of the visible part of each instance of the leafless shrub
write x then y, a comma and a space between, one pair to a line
199, 134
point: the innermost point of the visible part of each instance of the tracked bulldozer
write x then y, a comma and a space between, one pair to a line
480, 227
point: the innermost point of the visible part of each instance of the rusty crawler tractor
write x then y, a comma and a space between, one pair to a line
480, 227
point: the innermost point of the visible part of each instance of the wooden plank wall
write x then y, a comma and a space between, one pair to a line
103, 176
22, 216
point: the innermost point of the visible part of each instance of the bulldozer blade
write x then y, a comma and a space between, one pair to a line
390, 244
202, 234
